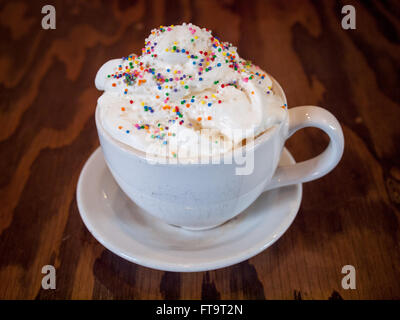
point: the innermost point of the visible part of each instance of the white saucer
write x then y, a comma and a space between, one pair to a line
128, 231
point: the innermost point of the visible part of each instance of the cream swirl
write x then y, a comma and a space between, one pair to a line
186, 81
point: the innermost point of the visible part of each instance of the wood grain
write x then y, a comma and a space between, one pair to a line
47, 132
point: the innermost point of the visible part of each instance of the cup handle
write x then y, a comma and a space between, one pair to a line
314, 168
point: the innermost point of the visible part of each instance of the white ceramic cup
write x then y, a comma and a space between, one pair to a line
202, 196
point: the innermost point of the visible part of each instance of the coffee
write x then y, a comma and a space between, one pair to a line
187, 89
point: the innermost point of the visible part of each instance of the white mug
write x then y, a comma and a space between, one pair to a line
202, 196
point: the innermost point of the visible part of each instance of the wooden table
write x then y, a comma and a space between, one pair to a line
47, 132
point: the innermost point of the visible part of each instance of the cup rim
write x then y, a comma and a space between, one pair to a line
259, 140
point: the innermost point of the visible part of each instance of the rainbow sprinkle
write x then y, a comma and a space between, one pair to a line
134, 72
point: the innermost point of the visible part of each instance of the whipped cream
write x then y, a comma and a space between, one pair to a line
186, 89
